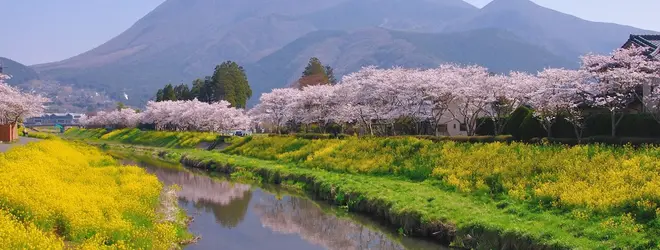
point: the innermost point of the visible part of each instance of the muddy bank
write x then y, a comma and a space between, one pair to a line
376, 205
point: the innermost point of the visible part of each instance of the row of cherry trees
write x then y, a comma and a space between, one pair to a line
467, 93
374, 97
16, 105
176, 116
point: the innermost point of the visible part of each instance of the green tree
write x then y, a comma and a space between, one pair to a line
315, 73
182, 92
168, 93
159, 95
330, 72
120, 106
314, 66
229, 82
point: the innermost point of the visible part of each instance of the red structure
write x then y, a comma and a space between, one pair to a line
8, 132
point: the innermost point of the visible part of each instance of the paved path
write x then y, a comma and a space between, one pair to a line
22, 141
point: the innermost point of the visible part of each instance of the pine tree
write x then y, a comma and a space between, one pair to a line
159, 95
230, 83
168, 93
314, 66
182, 92
330, 72
315, 74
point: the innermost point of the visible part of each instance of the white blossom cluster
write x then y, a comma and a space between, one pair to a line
16, 105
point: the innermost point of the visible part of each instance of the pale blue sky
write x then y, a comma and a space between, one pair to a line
39, 31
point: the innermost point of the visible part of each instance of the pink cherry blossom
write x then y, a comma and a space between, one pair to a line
16, 105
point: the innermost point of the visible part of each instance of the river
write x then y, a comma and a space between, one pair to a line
230, 215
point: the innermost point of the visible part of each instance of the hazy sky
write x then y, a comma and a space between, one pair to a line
39, 31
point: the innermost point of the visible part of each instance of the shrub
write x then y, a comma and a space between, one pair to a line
530, 128
487, 126
515, 120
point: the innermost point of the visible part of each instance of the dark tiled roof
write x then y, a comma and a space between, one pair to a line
651, 41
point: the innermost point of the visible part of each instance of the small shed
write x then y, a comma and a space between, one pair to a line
8, 132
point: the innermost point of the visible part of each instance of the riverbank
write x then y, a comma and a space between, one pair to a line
485, 195
423, 209
266, 216
146, 138
63, 195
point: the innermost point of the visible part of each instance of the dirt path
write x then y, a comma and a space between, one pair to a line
22, 141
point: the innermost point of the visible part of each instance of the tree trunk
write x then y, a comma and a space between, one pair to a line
613, 123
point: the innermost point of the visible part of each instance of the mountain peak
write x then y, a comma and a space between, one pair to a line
510, 4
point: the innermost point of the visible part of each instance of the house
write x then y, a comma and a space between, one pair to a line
64, 119
650, 41
8, 132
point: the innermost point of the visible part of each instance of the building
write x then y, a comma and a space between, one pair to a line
8, 132
64, 119
650, 41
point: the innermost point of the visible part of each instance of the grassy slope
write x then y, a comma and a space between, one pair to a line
480, 217
146, 138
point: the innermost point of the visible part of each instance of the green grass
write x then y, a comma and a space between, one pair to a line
487, 191
41, 135
77, 133
147, 138
417, 205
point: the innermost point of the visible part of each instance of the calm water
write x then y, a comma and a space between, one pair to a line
238, 216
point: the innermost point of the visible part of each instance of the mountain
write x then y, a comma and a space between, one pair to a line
499, 50
408, 15
563, 34
19, 73
182, 40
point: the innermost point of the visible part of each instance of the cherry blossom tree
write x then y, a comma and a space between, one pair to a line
276, 107
123, 118
555, 94
473, 95
195, 116
315, 105
619, 77
16, 105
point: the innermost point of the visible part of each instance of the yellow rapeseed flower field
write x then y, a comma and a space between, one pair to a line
601, 179
54, 193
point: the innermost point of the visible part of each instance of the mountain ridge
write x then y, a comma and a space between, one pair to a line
184, 39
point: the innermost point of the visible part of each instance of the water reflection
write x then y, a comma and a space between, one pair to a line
232, 216
293, 215
227, 201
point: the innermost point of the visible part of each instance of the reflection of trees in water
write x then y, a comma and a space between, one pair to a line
300, 216
227, 201
229, 215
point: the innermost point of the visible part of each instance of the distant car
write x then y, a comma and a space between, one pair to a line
239, 133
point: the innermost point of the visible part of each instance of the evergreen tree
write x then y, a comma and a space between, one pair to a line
229, 82
168, 93
120, 106
182, 92
314, 66
315, 73
330, 73
159, 95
